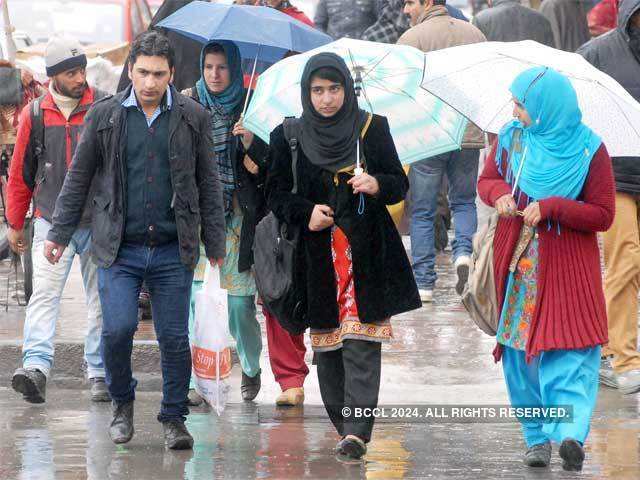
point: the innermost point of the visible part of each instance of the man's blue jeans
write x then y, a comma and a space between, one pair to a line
44, 307
425, 177
169, 284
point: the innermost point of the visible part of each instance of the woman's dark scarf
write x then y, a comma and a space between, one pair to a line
331, 142
224, 111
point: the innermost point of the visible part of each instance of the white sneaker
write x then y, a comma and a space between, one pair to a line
629, 382
426, 295
462, 270
606, 374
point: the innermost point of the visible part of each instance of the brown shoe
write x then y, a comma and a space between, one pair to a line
291, 397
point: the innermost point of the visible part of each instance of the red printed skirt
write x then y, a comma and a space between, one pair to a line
350, 325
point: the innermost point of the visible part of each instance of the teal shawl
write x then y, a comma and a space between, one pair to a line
559, 146
224, 108
232, 97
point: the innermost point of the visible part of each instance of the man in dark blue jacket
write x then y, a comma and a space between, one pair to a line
149, 153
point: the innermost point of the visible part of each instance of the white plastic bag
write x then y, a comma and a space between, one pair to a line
210, 352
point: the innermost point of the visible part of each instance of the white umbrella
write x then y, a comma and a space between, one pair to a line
475, 80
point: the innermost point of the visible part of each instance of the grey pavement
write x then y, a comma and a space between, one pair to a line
437, 357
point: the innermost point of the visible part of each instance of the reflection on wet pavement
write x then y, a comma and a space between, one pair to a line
437, 357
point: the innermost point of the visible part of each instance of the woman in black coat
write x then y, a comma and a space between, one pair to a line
356, 273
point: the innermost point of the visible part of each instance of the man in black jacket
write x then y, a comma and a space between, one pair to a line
345, 18
149, 152
510, 21
617, 53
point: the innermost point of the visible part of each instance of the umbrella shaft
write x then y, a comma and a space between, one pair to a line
253, 74
515, 184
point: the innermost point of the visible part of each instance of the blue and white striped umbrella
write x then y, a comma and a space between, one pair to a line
422, 125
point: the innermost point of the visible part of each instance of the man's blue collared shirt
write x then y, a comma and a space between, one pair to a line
132, 101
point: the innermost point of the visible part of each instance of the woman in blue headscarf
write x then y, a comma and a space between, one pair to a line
239, 156
551, 181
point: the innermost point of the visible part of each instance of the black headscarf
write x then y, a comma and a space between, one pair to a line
330, 142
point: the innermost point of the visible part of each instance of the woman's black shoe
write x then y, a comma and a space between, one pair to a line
572, 455
250, 386
538, 455
352, 447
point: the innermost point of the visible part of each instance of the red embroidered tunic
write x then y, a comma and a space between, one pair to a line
350, 325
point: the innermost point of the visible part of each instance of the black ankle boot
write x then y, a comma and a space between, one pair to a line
31, 383
176, 435
121, 428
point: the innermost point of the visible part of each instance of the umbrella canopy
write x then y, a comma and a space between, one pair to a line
262, 30
8, 29
421, 124
475, 80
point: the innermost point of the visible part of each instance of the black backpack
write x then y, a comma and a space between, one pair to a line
275, 251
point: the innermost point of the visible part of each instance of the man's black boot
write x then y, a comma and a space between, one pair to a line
31, 383
176, 435
121, 428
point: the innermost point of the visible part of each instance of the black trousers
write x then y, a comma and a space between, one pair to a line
350, 377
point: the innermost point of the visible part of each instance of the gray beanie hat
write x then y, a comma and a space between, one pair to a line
62, 54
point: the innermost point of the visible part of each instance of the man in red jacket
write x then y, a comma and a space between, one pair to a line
48, 132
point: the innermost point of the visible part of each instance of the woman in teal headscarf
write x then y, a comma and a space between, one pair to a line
550, 179
239, 155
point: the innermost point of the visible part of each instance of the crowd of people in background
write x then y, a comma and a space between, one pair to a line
107, 186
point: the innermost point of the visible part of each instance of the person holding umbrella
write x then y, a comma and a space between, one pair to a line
276, 34
220, 89
550, 178
356, 274
241, 164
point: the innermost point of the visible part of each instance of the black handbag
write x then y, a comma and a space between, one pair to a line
10, 86
275, 251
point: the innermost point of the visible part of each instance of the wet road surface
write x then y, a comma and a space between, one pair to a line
437, 357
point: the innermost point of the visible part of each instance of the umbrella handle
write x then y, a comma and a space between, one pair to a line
358, 170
